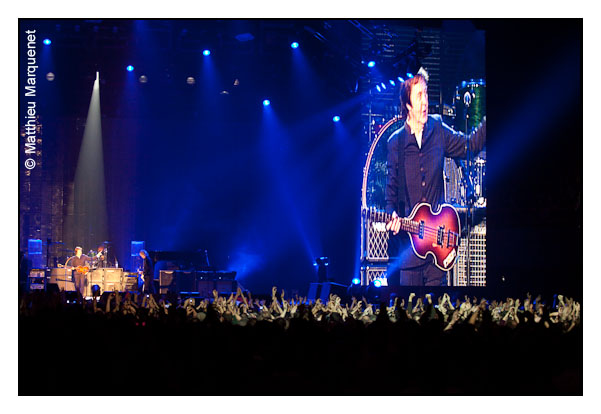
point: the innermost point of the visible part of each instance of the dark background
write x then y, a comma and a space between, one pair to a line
534, 91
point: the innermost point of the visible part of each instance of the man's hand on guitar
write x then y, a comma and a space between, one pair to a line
394, 225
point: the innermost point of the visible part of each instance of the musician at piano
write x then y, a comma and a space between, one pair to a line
415, 163
146, 272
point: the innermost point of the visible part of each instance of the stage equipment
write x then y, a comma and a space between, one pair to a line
130, 281
222, 282
470, 104
463, 187
477, 258
95, 277
371, 273
225, 286
323, 291
479, 181
205, 286
322, 264
37, 279
198, 260
454, 183
167, 282
470, 101
201, 282
185, 280
113, 279
107, 279
63, 278
35, 253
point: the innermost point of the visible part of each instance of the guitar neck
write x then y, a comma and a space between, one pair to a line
406, 224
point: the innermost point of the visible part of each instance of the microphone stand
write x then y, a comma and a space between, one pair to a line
467, 99
48, 242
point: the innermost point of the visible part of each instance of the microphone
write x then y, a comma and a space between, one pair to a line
467, 98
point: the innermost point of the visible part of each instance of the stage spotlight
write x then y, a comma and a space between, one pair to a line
378, 88
409, 75
322, 268
143, 79
392, 82
130, 68
190, 80
336, 119
377, 283
383, 85
206, 52
356, 281
50, 76
401, 79
371, 64
266, 102
294, 45
47, 42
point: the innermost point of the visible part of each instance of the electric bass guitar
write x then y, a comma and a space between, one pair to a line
79, 269
437, 234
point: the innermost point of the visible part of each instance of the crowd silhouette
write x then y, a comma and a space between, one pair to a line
130, 344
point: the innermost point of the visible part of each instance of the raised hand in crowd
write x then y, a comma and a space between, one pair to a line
565, 313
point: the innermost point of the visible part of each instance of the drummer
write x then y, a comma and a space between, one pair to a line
99, 258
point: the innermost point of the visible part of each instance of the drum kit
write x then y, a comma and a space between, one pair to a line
465, 180
59, 255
